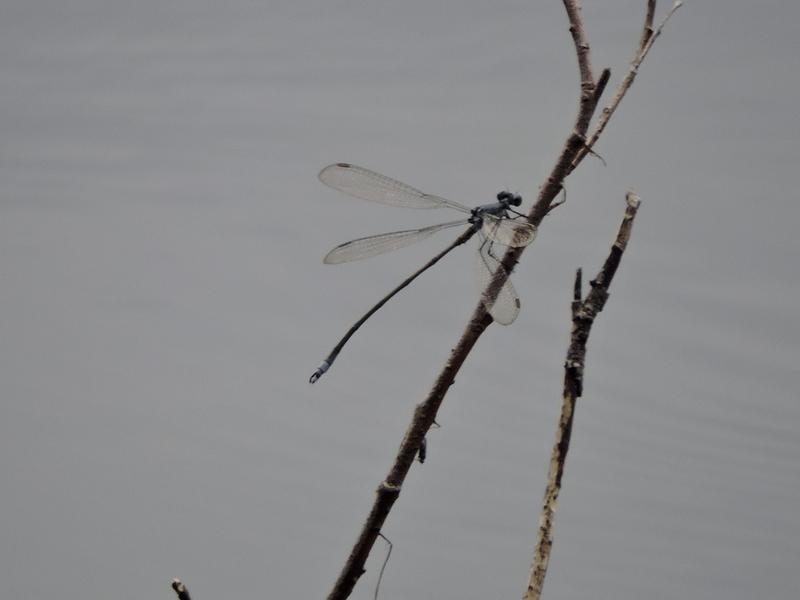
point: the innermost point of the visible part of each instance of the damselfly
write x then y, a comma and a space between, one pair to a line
493, 223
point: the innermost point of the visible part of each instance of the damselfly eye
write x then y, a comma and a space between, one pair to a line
516, 200
503, 195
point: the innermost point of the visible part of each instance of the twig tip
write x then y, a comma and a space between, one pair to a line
180, 589
633, 199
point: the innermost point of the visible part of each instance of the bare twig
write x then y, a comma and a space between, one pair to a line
602, 81
425, 413
383, 566
584, 63
180, 589
646, 42
584, 312
647, 30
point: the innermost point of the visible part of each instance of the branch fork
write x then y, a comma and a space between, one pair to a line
577, 145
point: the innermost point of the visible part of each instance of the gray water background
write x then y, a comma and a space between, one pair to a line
163, 301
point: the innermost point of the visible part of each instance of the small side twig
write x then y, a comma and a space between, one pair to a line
647, 30
581, 41
180, 589
602, 81
383, 566
646, 42
584, 312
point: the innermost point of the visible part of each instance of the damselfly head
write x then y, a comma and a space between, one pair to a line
509, 198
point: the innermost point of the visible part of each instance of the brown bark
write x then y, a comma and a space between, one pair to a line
575, 149
584, 312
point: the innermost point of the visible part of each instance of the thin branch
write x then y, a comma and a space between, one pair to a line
425, 412
383, 566
389, 490
584, 313
602, 81
180, 589
584, 63
647, 30
580, 39
641, 52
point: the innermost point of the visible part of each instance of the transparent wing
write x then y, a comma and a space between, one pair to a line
505, 307
385, 242
508, 232
369, 185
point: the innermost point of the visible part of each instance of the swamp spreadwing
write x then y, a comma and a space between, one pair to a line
492, 223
